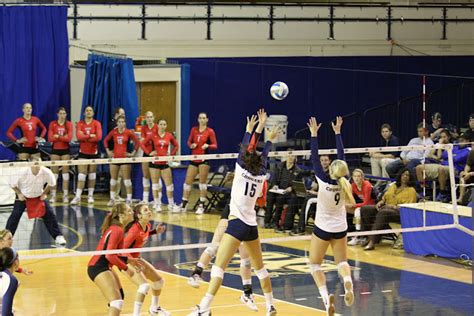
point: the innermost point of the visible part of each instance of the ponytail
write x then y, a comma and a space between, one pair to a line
346, 189
338, 171
113, 217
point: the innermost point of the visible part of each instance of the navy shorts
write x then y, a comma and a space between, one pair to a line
241, 231
28, 150
60, 152
87, 156
324, 235
197, 164
95, 270
159, 167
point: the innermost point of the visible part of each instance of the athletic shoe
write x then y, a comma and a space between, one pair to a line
271, 311
158, 311
298, 232
90, 200
194, 280
111, 203
173, 208
52, 199
60, 240
330, 309
354, 241
349, 293
65, 199
279, 230
200, 209
198, 312
118, 198
76, 200
128, 202
157, 207
248, 301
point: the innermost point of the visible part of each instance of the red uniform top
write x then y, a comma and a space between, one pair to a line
83, 131
200, 138
65, 134
262, 199
137, 237
111, 239
161, 145
365, 194
146, 131
120, 141
28, 130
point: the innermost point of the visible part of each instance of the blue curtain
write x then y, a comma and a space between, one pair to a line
110, 83
34, 60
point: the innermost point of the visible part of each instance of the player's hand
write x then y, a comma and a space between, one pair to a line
21, 197
251, 122
92, 135
193, 145
262, 119
288, 190
132, 154
137, 264
273, 134
337, 127
55, 136
205, 146
314, 126
110, 153
21, 140
160, 229
26, 272
153, 153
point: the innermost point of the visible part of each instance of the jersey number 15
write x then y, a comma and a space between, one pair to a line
252, 191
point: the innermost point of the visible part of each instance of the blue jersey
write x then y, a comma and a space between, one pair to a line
8, 287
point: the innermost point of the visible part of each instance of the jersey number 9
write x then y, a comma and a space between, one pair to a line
337, 198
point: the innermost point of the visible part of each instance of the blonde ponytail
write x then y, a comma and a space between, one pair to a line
338, 171
346, 189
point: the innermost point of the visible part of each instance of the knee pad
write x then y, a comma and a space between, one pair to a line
217, 272
203, 186
186, 187
211, 251
127, 182
122, 294
315, 267
145, 182
156, 187
117, 304
113, 182
81, 177
65, 176
143, 288
92, 176
170, 188
158, 285
245, 263
262, 274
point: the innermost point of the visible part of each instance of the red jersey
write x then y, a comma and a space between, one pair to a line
200, 138
161, 145
137, 237
63, 131
365, 194
121, 141
88, 144
262, 200
110, 240
28, 129
146, 131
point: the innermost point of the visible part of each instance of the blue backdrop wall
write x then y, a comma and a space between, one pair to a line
228, 89
34, 61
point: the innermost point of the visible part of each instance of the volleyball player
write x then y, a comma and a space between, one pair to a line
28, 125
89, 134
120, 137
9, 262
6, 241
119, 111
330, 225
161, 143
60, 135
148, 130
250, 174
99, 267
201, 139
138, 232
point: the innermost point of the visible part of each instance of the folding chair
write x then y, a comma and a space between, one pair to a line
216, 191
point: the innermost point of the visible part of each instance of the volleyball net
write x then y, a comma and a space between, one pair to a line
285, 217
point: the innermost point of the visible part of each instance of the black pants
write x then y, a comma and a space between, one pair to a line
280, 201
371, 219
302, 221
294, 206
271, 200
49, 218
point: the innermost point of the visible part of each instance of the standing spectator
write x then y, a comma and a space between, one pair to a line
376, 217
378, 161
469, 133
467, 177
362, 191
111, 126
411, 158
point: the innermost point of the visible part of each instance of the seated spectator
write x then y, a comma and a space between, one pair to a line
436, 127
466, 177
308, 208
440, 170
362, 190
411, 158
469, 133
282, 179
387, 210
378, 161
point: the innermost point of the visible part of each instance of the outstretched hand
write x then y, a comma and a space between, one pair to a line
274, 132
313, 126
337, 127
262, 119
251, 122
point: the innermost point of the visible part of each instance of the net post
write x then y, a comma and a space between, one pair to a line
452, 180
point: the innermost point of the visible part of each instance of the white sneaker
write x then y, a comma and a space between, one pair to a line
52, 199
271, 311
248, 301
111, 203
118, 198
330, 309
60, 240
194, 281
128, 202
200, 209
174, 208
76, 200
90, 200
354, 241
65, 199
158, 311
349, 293
157, 207
198, 312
